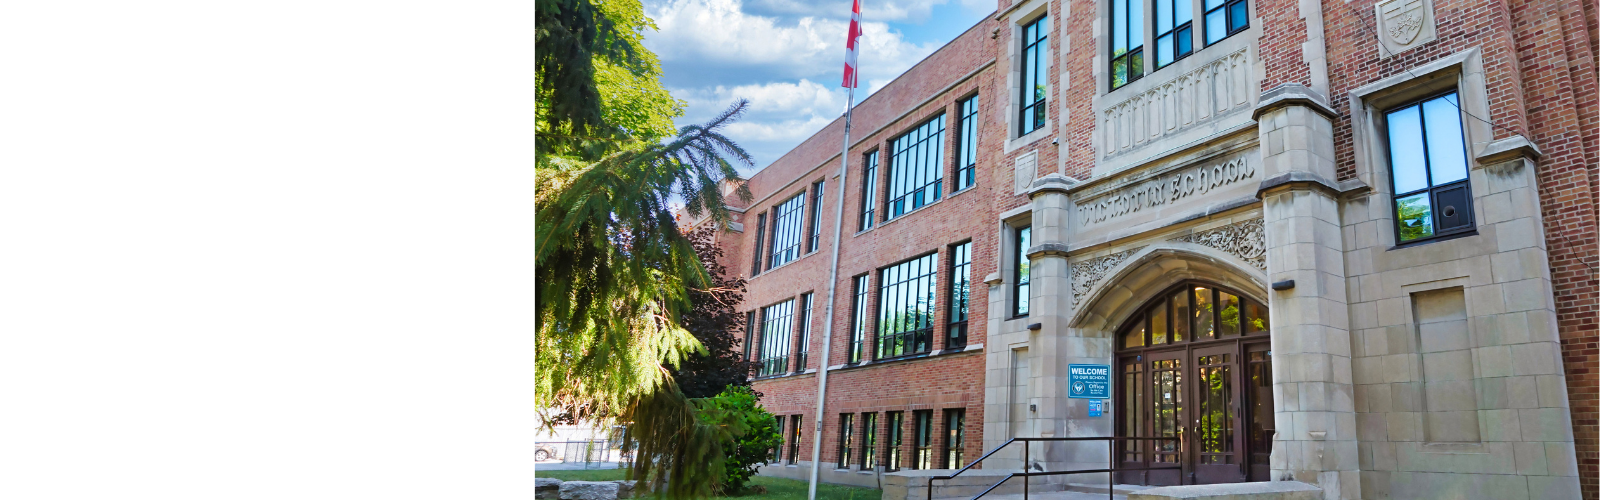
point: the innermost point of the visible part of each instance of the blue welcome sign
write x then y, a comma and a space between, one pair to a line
1089, 381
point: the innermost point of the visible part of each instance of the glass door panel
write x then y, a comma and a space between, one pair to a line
1216, 415
1167, 416
1258, 359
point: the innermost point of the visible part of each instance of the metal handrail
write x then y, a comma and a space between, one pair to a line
1111, 441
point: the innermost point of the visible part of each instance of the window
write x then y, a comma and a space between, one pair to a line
915, 175
777, 320
967, 145
794, 438
749, 333
955, 440
1019, 283
895, 429
1174, 30
761, 231
858, 319
777, 453
1194, 312
1034, 78
786, 220
1127, 41
817, 189
846, 425
923, 434
869, 191
1428, 164
905, 307
804, 344
1224, 18
960, 292
869, 441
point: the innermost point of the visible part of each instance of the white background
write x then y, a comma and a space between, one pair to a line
266, 249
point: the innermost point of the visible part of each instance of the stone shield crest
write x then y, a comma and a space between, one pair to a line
1402, 20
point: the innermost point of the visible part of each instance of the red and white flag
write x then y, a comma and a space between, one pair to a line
850, 42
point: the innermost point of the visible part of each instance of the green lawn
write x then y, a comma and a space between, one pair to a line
777, 489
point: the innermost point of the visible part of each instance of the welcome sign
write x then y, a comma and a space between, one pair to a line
1089, 381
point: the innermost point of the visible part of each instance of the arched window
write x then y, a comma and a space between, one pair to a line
1193, 312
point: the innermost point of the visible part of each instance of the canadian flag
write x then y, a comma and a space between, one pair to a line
850, 42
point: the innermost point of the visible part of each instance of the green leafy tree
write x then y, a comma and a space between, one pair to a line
750, 434
615, 272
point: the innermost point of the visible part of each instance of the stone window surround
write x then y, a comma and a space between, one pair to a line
1010, 222
1018, 16
1102, 45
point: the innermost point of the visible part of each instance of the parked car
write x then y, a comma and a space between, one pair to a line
544, 452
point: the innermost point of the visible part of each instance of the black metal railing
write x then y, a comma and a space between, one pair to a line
1026, 473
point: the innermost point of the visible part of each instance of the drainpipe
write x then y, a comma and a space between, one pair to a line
833, 285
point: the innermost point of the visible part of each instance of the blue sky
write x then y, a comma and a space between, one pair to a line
786, 56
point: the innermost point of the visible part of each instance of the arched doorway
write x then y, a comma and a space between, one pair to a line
1195, 365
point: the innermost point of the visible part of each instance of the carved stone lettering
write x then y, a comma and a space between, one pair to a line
1163, 190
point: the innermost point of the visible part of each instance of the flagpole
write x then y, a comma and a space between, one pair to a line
833, 284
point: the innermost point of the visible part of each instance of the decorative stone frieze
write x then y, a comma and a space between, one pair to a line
1088, 273
1216, 88
1246, 240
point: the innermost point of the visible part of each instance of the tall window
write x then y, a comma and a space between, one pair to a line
749, 333
858, 319
816, 216
786, 223
895, 429
955, 439
905, 307
1127, 41
869, 441
1428, 163
1224, 18
1034, 77
1019, 283
915, 174
923, 434
869, 191
794, 438
846, 426
1174, 30
761, 232
960, 292
777, 453
804, 343
967, 145
775, 326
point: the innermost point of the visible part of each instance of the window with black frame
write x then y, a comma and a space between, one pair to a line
749, 333
955, 440
915, 173
1428, 165
966, 145
858, 318
803, 342
1127, 42
777, 452
922, 433
1021, 278
846, 445
786, 224
777, 320
1035, 81
761, 232
794, 439
1224, 18
869, 191
817, 188
1174, 30
960, 293
893, 434
869, 441
905, 307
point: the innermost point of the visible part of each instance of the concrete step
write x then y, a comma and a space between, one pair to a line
1120, 489
1057, 495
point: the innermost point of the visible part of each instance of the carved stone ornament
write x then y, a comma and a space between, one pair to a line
1088, 273
1246, 240
1404, 24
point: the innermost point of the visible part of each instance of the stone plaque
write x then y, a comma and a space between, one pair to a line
1404, 25
1026, 167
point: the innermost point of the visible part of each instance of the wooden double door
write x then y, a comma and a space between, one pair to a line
1211, 401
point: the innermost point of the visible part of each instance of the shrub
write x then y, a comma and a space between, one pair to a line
751, 435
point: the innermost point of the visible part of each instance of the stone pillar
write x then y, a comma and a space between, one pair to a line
1054, 345
1312, 385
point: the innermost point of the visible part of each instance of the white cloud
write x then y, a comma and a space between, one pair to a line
874, 10
781, 114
